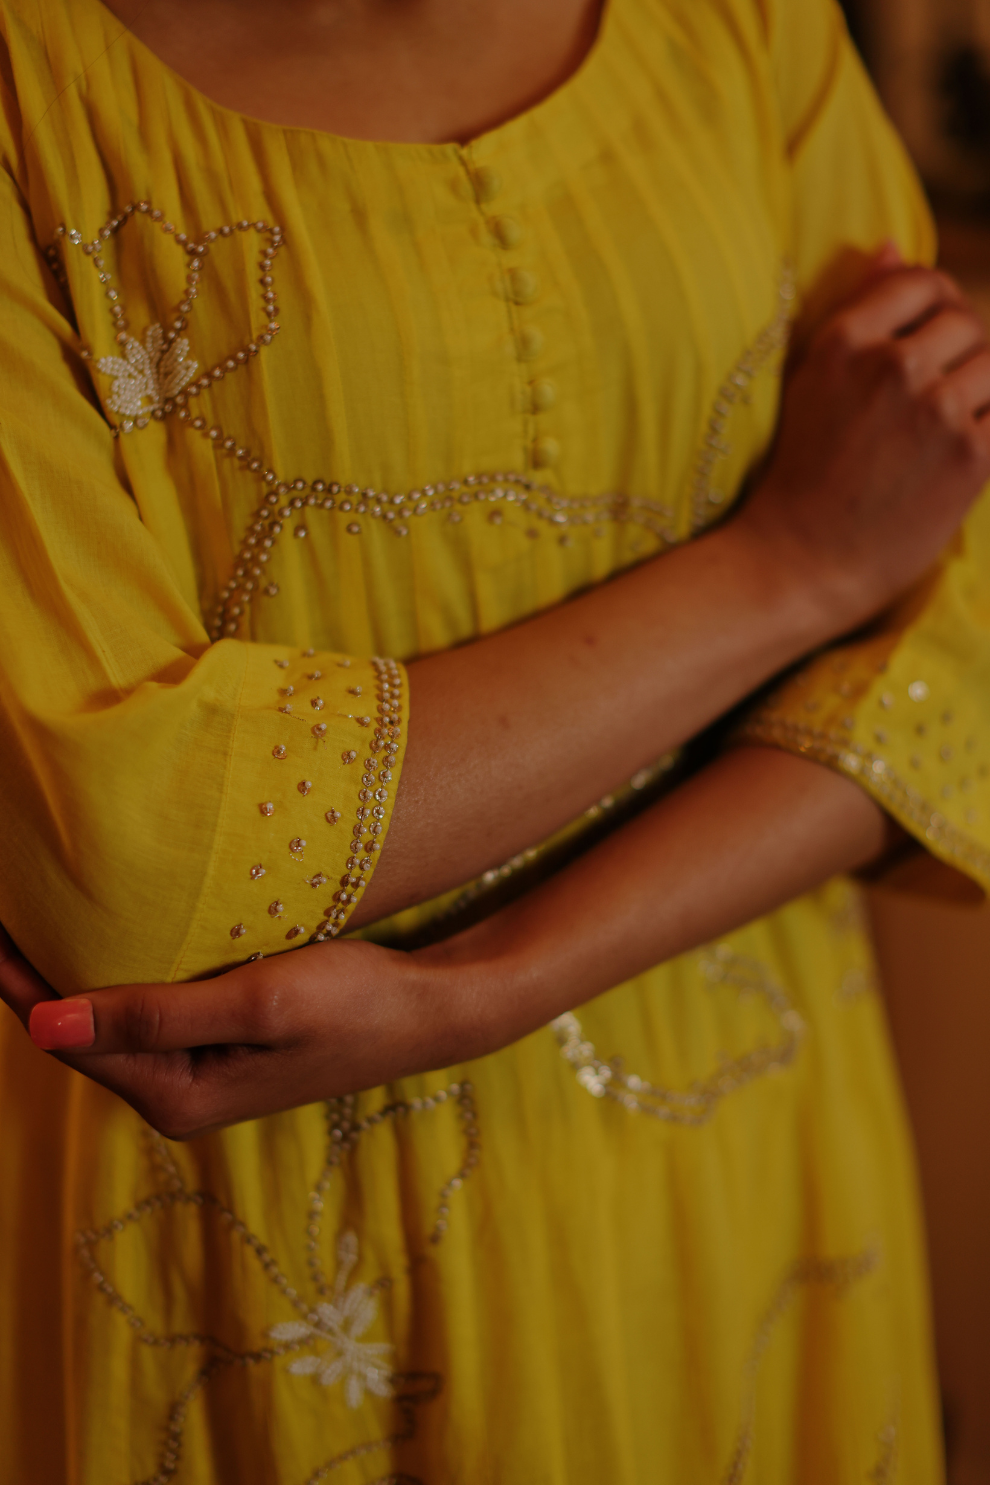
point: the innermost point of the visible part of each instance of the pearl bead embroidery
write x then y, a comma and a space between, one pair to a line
373, 795
705, 498
150, 378
508, 491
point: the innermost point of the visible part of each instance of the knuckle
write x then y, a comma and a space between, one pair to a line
175, 1102
945, 407
264, 1010
142, 1022
163, 1112
946, 284
897, 361
174, 1116
838, 340
936, 282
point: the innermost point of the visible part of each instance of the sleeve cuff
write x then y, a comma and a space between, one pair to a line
905, 728
314, 768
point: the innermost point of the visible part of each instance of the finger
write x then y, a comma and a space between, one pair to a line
971, 383
20, 985
243, 1006
951, 337
894, 303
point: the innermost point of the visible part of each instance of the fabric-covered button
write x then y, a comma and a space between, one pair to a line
507, 230
543, 394
531, 342
523, 285
546, 451
487, 183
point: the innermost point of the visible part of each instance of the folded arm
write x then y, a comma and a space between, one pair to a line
747, 834
880, 450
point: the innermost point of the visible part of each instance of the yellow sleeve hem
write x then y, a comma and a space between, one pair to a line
906, 805
314, 767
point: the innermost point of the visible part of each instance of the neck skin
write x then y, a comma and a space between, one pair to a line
412, 71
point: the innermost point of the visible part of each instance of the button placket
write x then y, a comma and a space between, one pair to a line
523, 289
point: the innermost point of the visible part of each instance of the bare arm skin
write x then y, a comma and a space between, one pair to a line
747, 834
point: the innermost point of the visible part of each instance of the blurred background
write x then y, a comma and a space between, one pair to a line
931, 62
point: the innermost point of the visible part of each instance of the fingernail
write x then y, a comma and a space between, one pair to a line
63, 1025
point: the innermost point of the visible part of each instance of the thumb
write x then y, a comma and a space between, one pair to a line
242, 1006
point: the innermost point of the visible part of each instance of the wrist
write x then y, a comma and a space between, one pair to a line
808, 600
483, 991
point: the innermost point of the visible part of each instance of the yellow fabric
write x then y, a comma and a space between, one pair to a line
714, 1273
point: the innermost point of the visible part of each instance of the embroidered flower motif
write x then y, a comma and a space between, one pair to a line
359, 1364
146, 374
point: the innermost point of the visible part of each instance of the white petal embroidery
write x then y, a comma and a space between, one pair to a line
292, 1330
361, 1365
147, 374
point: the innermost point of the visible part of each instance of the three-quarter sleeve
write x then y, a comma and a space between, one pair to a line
169, 806
904, 709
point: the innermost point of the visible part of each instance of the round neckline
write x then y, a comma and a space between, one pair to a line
575, 84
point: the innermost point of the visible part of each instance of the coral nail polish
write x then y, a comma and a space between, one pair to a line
63, 1025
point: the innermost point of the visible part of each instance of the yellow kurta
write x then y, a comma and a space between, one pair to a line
673, 1237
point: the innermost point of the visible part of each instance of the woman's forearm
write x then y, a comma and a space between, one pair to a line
514, 735
754, 830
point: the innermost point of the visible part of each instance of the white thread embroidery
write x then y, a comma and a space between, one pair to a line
147, 374
360, 1364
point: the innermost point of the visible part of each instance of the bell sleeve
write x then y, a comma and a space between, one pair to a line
170, 807
904, 707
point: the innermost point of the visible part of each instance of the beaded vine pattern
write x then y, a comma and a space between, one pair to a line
695, 1104
706, 498
502, 492
156, 378
837, 1275
331, 1318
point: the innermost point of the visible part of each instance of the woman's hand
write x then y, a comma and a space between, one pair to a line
883, 444
313, 1024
